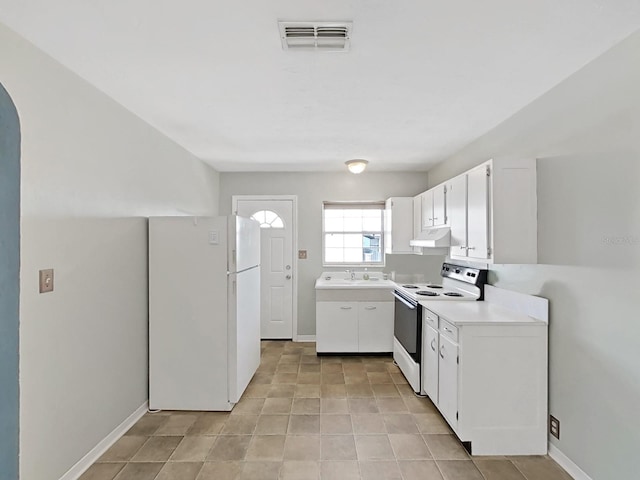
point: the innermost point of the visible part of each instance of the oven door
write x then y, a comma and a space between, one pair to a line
407, 325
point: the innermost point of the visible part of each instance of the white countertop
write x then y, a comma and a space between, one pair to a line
478, 313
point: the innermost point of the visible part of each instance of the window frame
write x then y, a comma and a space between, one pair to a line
267, 225
356, 205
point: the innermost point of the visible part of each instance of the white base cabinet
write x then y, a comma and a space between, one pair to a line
354, 326
375, 327
337, 326
431, 347
448, 380
489, 382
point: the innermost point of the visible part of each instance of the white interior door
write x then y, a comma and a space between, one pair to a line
276, 262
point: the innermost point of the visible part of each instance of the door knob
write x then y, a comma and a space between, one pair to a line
288, 277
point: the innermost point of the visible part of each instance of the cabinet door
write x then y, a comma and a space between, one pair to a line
439, 211
375, 326
417, 220
457, 213
478, 213
398, 225
426, 199
388, 226
337, 326
430, 350
448, 380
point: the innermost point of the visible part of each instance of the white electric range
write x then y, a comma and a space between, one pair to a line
459, 283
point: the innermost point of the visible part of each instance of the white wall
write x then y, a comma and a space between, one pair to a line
90, 172
312, 189
585, 134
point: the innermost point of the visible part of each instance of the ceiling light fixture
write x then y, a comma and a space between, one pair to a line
356, 166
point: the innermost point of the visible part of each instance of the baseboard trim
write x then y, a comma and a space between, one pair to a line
305, 338
96, 452
565, 462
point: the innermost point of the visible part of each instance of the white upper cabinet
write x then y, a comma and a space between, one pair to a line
492, 212
478, 213
457, 212
426, 201
398, 225
417, 220
439, 210
432, 204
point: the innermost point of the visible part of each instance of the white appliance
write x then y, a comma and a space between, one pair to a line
204, 311
459, 283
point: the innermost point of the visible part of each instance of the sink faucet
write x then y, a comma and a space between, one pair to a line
351, 273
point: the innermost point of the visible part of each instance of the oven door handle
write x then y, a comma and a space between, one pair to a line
412, 307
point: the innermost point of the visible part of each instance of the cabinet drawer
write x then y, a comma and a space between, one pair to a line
430, 318
449, 330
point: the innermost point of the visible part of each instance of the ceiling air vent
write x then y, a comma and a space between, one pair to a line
326, 36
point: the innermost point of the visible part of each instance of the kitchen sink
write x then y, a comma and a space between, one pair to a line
338, 281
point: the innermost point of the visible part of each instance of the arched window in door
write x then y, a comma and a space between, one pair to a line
268, 219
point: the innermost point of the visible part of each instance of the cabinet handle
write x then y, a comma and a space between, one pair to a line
409, 306
447, 329
433, 347
441, 349
345, 308
462, 247
471, 248
370, 308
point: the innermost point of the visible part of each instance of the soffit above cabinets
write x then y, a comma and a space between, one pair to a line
421, 79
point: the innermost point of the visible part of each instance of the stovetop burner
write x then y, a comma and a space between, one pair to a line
427, 293
433, 286
452, 294
410, 286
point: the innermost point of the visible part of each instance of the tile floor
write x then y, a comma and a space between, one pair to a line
308, 417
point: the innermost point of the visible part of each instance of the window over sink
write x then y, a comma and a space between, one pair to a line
353, 233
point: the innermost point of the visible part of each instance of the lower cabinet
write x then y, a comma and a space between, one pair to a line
354, 327
431, 347
337, 326
375, 326
448, 380
489, 382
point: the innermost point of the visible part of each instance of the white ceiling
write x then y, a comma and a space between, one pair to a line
422, 79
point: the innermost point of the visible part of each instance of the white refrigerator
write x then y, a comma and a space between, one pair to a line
204, 311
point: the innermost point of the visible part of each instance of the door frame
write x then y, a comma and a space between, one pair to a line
294, 247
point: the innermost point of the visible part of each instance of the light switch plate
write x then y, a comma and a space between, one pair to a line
46, 280
302, 254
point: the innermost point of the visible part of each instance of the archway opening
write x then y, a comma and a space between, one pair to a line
9, 283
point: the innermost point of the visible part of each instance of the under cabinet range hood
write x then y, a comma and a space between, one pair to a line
433, 238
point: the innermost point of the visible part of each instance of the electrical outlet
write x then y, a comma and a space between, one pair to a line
46, 280
302, 254
554, 426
